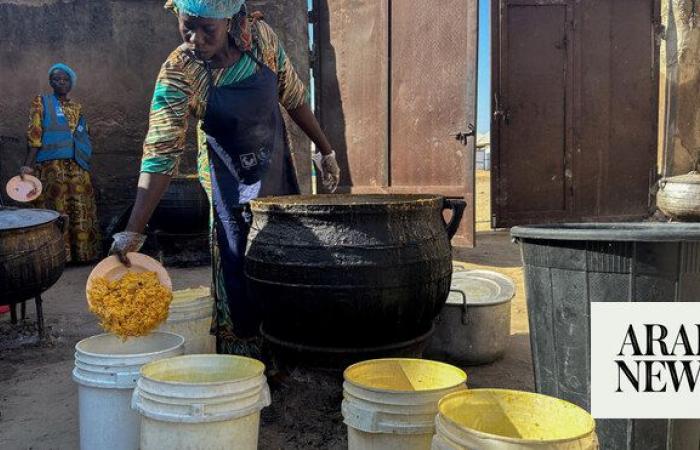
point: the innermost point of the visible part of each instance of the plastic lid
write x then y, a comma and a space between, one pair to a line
14, 218
481, 287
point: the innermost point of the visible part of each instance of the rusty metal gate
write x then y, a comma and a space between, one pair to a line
574, 129
396, 95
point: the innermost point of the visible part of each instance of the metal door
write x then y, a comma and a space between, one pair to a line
396, 89
575, 108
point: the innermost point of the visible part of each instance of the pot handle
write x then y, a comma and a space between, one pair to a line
62, 222
464, 305
457, 207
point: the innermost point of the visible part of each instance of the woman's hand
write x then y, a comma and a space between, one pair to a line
25, 170
150, 190
329, 170
126, 242
325, 160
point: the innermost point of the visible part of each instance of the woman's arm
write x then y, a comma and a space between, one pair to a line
34, 133
293, 96
163, 147
151, 188
326, 162
304, 117
30, 159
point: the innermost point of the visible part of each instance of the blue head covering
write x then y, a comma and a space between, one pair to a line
209, 9
71, 74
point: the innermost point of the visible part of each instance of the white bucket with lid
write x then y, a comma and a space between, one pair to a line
392, 403
201, 402
106, 370
190, 316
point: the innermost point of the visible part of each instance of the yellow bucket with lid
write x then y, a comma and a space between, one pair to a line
499, 419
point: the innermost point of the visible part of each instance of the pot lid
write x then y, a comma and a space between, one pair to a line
689, 178
481, 288
17, 218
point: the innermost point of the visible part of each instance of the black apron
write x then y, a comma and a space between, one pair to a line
248, 158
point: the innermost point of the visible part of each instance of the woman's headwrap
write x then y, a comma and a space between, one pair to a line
241, 27
209, 9
70, 72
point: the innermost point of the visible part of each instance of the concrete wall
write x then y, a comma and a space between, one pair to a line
117, 48
680, 78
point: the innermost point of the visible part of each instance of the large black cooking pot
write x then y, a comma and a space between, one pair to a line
184, 207
344, 272
32, 252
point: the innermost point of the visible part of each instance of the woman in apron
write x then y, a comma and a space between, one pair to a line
232, 74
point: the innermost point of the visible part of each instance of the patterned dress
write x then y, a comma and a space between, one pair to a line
181, 90
67, 188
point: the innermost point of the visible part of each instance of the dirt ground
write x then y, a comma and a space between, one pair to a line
38, 399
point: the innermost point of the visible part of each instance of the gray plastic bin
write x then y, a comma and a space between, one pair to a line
567, 266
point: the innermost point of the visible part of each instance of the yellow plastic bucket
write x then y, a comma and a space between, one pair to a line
496, 419
392, 403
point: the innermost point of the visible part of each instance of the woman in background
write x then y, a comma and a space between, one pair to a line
58, 153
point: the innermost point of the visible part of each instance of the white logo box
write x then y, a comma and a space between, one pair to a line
615, 379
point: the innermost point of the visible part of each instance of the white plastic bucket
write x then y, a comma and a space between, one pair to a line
201, 402
190, 316
498, 419
392, 403
106, 370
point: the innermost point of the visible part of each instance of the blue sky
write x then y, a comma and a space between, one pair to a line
484, 78
484, 87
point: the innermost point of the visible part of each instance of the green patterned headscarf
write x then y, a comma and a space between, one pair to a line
209, 9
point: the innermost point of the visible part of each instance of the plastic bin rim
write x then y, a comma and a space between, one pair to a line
618, 231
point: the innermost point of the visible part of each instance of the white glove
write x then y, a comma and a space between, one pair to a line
328, 169
126, 242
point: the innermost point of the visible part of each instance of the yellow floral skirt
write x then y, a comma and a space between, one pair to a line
67, 188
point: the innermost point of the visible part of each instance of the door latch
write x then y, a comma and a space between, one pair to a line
463, 136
